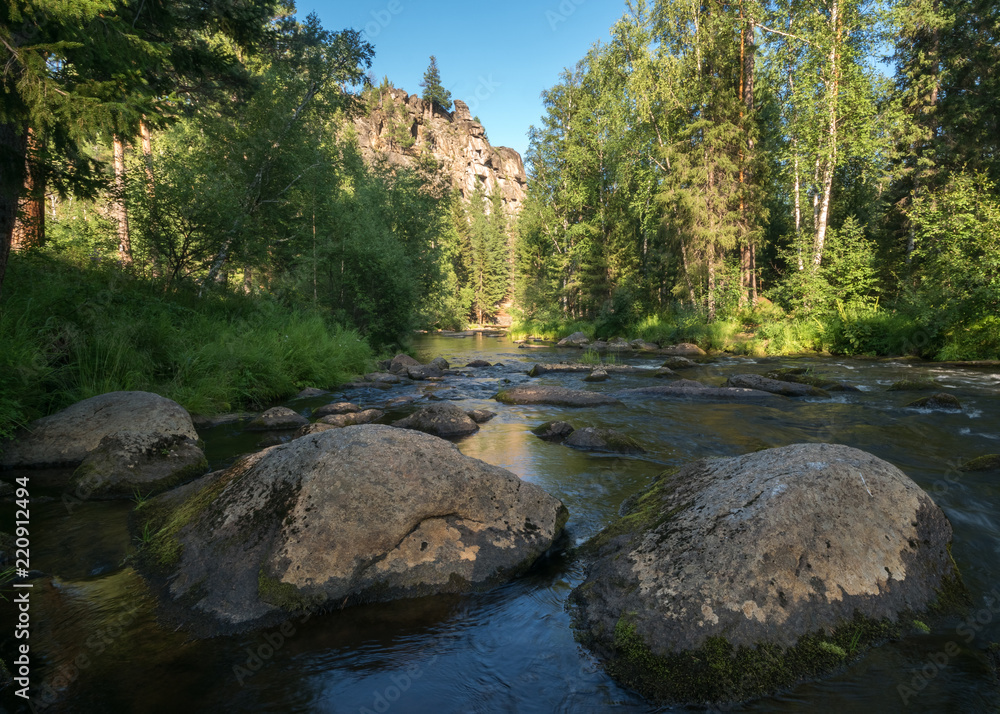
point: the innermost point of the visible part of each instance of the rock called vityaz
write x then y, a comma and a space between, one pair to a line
359, 514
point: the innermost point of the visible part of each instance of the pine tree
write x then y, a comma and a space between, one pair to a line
433, 89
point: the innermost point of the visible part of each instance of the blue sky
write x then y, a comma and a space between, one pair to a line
496, 56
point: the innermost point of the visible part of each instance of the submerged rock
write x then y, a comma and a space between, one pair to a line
663, 372
553, 430
126, 463
277, 418
66, 437
740, 576
361, 514
558, 396
690, 389
444, 419
478, 363
941, 400
914, 385
592, 438
775, 386
989, 462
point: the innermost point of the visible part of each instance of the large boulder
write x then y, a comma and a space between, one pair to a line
591, 438
558, 396
775, 386
684, 349
423, 372
731, 578
401, 362
65, 438
577, 339
126, 463
361, 514
444, 419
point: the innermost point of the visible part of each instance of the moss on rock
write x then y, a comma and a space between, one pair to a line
988, 462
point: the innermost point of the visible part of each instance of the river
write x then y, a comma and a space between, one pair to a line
96, 640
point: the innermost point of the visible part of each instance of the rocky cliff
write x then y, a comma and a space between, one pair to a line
402, 126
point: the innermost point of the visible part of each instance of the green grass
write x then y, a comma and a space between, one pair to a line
70, 332
549, 329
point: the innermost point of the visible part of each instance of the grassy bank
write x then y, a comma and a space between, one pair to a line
68, 332
852, 329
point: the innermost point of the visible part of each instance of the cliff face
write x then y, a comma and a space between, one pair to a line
402, 126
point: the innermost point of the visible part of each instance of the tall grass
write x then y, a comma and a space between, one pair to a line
68, 333
549, 329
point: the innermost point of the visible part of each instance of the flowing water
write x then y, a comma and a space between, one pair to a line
98, 647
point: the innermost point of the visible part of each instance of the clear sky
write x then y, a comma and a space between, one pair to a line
496, 56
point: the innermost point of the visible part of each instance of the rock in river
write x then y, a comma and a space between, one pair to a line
277, 418
66, 437
444, 419
592, 438
553, 430
126, 463
942, 401
740, 576
774, 386
360, 514
558, 396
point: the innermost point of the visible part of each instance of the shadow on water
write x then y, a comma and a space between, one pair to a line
100, 647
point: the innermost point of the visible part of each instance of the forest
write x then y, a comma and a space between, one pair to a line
184, 207
774, 177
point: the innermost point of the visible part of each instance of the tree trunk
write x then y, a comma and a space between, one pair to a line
833, 87
29, 230
118, 208
13, 146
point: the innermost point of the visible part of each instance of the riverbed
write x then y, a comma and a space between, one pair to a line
99, 646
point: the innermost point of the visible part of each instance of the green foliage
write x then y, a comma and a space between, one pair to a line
71, 332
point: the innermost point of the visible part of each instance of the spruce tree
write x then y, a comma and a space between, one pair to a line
433, 90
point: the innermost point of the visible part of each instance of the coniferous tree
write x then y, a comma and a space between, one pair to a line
434, 91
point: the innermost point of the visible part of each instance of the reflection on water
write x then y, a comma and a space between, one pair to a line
512, 649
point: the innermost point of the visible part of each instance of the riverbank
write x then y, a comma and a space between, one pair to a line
852, 330
69, 332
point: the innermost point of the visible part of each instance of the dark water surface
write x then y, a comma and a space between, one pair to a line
96, 640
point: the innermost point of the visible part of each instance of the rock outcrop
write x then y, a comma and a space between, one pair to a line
402, 126
360, 514
740, 576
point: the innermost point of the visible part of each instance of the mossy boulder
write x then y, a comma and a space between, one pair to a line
989, 462
914, 385
731, 578
444, 419
553, 430
941, 401
558, 396
66, 437
126, 463
361, 514
600, 439
774, 386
